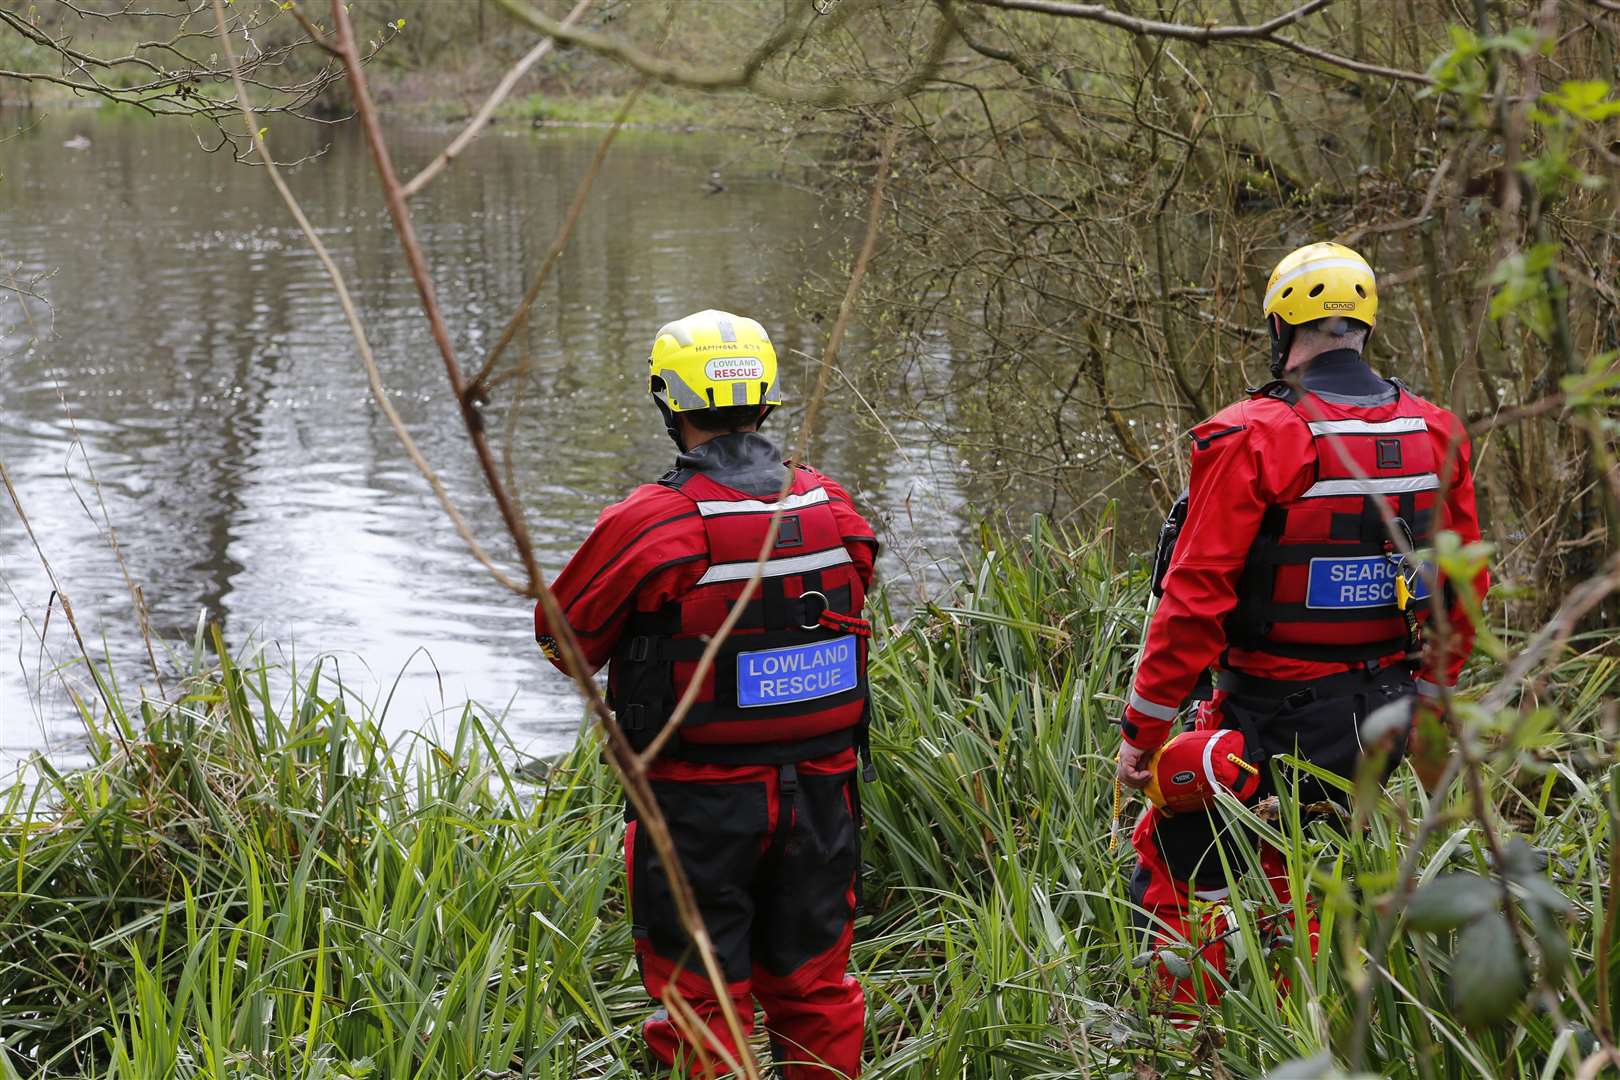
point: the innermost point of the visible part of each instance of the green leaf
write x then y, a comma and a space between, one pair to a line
1553, 937
1175, 965
1521, 860
1314, 1067
1387, 721
1541, 893
1585, 99
1451, 900
1488, 978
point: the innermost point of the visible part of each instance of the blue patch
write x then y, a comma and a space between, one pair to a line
798, 672
1364, 582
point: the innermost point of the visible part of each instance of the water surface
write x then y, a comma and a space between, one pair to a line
186, 329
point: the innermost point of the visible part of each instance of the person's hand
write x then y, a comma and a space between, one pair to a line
1133, 771
1429, 746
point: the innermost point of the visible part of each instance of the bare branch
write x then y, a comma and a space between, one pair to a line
1153, 27
747, 75
476, 125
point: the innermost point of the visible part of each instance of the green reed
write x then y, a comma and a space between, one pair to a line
256, 883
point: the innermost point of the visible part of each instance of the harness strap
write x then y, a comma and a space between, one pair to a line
777, 753
787, 790
1364, 653
1302, 692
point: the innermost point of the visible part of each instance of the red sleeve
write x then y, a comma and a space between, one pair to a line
859, 538
1245, 459
637, 548
1461, 515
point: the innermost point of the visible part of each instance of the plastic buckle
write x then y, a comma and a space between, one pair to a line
632, 717
788, 779
640, 649
1299, 698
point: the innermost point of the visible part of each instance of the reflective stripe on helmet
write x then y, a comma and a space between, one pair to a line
1311, 267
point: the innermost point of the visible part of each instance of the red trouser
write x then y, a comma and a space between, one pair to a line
778, 899
1178, 864
1173, 920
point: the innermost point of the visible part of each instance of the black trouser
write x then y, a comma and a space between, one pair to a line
1318, 721
772, 854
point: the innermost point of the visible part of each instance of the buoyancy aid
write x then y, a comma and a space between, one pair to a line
1320, 580
789, 681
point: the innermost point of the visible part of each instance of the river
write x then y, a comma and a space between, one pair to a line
163, 323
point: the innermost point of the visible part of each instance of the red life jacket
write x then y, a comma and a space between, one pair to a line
1319, 583
789, 682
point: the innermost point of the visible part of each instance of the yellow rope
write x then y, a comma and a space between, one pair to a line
1119, 803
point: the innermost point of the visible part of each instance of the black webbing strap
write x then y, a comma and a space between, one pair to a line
1327, 654
1296, 693
777, 753
787, 792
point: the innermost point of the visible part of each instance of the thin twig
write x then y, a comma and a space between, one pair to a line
475, 126
67, 605
479, 385
394, 196
828, 362
379, 393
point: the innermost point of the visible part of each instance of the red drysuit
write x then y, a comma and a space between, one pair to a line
1282, 578
759, 786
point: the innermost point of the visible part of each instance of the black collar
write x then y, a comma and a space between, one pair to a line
745, 460
1343, 374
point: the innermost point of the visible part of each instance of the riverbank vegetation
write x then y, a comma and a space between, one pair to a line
1070, 210
253, 883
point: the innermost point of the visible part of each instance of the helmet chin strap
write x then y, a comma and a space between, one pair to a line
673, 429
1282, 339
670, 426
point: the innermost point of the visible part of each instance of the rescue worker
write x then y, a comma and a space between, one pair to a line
758, 783
1285, 576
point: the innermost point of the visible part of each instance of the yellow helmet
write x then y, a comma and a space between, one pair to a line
1319, 281
711, 360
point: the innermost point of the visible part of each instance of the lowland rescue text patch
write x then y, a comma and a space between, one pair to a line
797, 672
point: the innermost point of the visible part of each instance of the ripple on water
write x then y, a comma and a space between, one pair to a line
250, 476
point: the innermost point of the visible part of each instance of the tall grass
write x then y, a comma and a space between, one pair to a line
257, 885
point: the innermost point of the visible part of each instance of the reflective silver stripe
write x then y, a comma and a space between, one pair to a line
727, 331
1209, 765
1153, 709
1363, 427
1212, 894
1320, 264
716, 507
797, 564
1428, 689
1355, 485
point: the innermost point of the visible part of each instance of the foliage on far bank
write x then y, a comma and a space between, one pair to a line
251, 882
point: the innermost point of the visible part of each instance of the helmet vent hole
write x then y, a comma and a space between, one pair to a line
1317, 291
1287, 292
1361, 292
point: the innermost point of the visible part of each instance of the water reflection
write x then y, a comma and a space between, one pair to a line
193, 337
